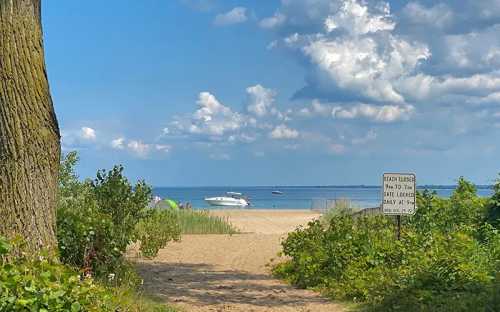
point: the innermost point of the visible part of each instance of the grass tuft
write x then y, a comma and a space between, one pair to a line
202, 222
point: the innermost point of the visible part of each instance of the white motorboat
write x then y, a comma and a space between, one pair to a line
232, 199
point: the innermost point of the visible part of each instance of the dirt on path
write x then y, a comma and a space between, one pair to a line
230, 273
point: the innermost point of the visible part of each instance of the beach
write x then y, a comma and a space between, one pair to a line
231, 272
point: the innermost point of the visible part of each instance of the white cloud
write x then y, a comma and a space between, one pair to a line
377, 113
274, 21
217, 122
260, 100
368, 66
139, 148
363, 57
316, 109
163, 148
440, 15
118, 143
425, 87
439, 51
319, 108
242, 138
283, 132
385, 113
211, 118
354, 18
87, 133
81, 138
235, 16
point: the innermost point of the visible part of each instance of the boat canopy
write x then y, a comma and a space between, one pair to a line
234, 193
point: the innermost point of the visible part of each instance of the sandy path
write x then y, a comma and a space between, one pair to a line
229, 273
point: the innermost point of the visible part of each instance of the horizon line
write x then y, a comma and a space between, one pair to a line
479, 186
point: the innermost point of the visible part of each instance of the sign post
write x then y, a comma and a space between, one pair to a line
399, 195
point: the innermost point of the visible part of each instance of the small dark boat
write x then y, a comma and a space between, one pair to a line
277, 192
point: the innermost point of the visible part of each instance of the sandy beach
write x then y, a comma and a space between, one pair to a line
231, 273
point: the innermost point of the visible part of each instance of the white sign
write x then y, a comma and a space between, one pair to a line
399, 193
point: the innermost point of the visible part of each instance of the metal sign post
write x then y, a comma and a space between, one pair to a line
399, 191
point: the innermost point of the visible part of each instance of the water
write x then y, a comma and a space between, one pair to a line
294, 197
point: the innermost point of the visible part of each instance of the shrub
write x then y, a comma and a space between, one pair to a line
157, 230
40, 284
97, 220
447, 258
493, 214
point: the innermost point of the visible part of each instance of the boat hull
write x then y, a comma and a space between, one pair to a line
226, 201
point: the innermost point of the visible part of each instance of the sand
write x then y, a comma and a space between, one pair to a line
231, 273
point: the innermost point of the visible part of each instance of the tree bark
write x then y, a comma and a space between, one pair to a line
29, 133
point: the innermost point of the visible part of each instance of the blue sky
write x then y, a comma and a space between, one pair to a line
290, 92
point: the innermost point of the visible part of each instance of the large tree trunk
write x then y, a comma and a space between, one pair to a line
29, 133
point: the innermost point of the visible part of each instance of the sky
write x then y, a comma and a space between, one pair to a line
278, 92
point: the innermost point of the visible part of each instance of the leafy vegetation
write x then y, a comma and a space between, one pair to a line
448, 257
41, 284
96, 221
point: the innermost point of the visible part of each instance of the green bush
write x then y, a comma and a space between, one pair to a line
493, 206
43, 285
157, 230
447, 258
98, 219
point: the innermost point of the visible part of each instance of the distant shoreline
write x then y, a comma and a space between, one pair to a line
420, 187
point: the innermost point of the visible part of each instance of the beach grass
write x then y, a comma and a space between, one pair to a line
202, 222
340, 206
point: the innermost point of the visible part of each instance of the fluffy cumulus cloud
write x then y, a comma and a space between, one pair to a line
214, 125
373, 62
357, 49
273, 21
439, 15
87, 133
374, 113
260, 100
282, 132
234, 16
385, 113
354, 18
368, 64
118, 143
358, 53
139, 148
356, 65
212, 118
83, 138
216, 122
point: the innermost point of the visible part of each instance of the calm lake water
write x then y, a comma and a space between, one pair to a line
294, 197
